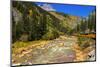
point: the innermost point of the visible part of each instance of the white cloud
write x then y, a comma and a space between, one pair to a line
47, 7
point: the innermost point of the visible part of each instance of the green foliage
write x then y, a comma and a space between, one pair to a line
52, 34
35, 24
84, 42
87, 24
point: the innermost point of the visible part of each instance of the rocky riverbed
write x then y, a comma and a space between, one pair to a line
59, 50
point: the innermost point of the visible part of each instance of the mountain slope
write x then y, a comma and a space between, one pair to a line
70, 20
31, 22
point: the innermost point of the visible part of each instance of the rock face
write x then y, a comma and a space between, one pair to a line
91, 55
17, 15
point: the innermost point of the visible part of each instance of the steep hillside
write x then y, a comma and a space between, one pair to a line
31, 22
70, 20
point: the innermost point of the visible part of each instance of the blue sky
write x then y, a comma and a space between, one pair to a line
77, 10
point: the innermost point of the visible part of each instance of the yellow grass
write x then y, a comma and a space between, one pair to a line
19, 47
89, 35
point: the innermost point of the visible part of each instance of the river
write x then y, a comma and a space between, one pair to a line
60, 50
